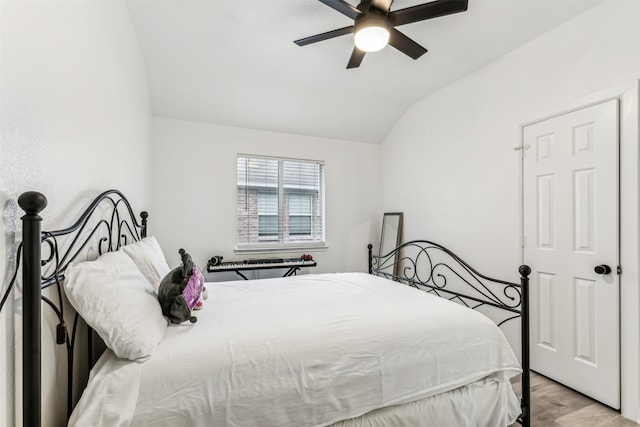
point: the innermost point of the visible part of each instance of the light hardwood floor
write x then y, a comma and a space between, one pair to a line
553, 405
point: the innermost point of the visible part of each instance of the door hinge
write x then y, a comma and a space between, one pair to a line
619, 270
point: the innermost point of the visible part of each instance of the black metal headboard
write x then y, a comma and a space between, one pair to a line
435, 269
104, 226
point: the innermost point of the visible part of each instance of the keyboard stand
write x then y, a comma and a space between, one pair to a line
240, 274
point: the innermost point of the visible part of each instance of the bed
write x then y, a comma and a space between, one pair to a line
341, 349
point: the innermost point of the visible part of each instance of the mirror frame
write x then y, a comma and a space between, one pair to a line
385, 217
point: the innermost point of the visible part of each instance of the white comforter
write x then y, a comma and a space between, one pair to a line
302, 351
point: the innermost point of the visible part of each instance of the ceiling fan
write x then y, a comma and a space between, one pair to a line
374, 25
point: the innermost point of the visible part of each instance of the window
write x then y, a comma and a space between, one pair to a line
280, 203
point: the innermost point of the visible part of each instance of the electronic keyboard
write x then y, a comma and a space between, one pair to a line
292, 264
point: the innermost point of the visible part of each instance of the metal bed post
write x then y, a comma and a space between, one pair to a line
143, 231
32, 203
370, 247
525, 270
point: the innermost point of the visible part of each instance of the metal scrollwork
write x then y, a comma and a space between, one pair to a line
106, 225
431, 267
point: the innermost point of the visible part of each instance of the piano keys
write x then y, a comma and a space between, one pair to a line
291, 264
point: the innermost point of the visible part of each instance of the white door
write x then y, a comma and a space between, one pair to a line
571, 211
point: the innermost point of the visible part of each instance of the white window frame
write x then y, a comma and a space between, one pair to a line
248, 237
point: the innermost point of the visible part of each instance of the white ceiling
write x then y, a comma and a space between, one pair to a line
234, 62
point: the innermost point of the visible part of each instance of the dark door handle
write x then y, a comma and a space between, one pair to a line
602, 269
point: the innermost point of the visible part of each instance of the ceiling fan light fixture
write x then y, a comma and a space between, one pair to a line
371, 33
374, 25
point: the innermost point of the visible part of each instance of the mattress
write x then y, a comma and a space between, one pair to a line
309, 350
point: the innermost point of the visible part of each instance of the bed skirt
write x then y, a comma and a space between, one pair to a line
485, 403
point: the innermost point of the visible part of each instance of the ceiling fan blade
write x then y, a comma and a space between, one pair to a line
405, 45
324, 36
430, 10
342, 7
356, 58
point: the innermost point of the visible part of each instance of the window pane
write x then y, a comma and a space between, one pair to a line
257, 172
299, 204
267, 225
300, 225
268, 204
302, 176
267, 214
299, 214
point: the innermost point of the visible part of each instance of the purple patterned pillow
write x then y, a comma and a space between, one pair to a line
193, 290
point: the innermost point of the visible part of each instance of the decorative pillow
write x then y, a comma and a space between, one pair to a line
180, 290
148, 256
193, 290
115, 299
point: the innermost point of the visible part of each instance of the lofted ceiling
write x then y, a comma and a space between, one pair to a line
234, 62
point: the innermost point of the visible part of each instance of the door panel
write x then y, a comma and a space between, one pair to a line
571, 225
546, 314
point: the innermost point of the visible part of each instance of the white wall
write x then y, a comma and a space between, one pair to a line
75, 120
456, 147
194, 190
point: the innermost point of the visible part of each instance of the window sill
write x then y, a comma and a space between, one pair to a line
280, 249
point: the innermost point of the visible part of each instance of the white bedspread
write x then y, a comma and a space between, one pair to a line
303, 351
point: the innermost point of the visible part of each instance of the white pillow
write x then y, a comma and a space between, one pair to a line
115, 299
149, 258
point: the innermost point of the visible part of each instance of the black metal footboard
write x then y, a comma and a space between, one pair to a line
435, 269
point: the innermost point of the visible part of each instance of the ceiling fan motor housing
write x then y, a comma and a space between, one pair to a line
372, 31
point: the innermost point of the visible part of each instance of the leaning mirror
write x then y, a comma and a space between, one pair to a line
390, 239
